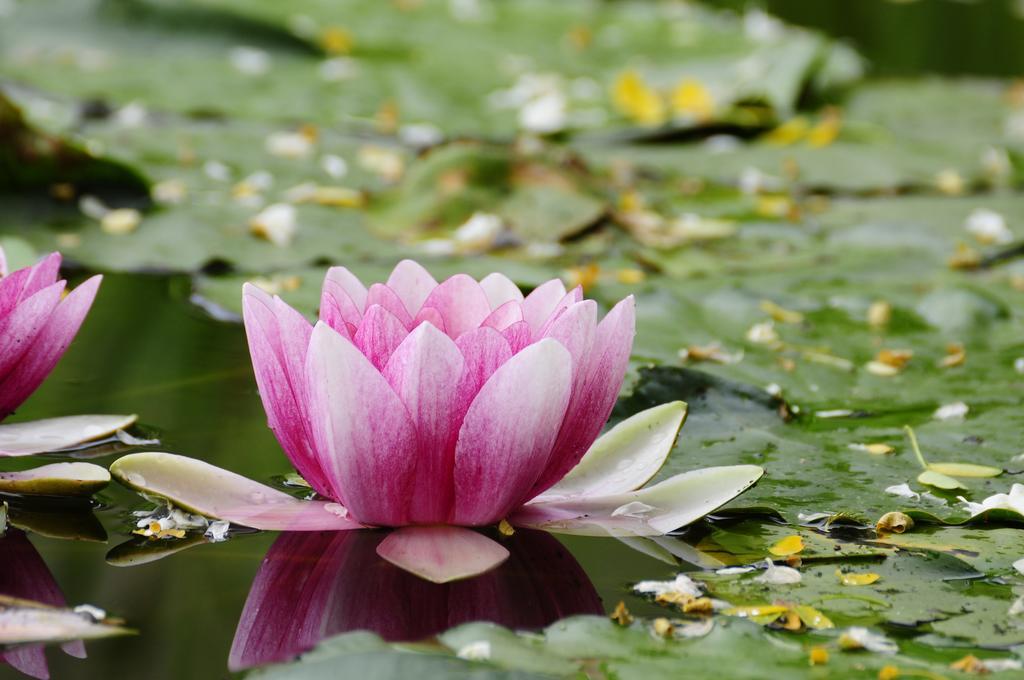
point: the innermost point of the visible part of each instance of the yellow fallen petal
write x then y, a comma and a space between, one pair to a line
690, 98
849, 579
637, 100
790, 545
812, 618
818, 656
756, 610
790, 132
894, 523
121, 221
779, 313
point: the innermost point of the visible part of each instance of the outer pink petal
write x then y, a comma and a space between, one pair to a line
575, 329
424, 371
380, 294
505, 315
278, 339
500, 289
508, 432
28, 281
379, 334
19, 328
412, 283
363, 432
574, 296
48, 347
461, 302
539, 304
3, 263
441, 553
485, 350
593, 403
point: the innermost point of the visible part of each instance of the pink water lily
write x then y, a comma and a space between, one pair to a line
37, 323
429, 407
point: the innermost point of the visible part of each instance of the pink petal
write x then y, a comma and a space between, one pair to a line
424, 371
380, 332
519, 335
208, 490
48, 347
461, 302
431, 316
20, 327
364, 434
278, 338
592, 404
575, 329
504, 316
507, 434
412, 283
28, 281
539, 304
338, 311
3, 263
500, 290
574, 296
349, 283
385, 297
441, 553
485, 350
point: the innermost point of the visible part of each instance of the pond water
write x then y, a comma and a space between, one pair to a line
907, 37
146, 349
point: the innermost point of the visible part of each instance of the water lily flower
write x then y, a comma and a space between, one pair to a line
33, 611
37, 323
313, 585
427, 406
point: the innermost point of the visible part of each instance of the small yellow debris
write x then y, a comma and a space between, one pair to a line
387, 163
698, 605
965, 257
827, 129
850, 579
888, 672
894, 523
331, 196
691, 99
711, 352
280, 283
630, 276
277, 223
889, 362
505, 528
63, 191
289, 144
790, 545
386, 117
790, 132
121, 221
780, 314
818, 656
663, 627
68, 240
763, 334
585, 275
956, 355
876, 449
631, 201
828, 360
970, 664
580, 37
637, 100
879, 314
950, 182
793, 561
621, 614
336, 40
775, 206
169, 192
812, 618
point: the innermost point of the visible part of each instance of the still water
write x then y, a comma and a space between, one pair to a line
145, 349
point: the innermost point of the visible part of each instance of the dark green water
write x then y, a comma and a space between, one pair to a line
911, 37
145, 349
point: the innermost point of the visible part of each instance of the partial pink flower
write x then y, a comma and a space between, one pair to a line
418, 402
37, 323
26, 577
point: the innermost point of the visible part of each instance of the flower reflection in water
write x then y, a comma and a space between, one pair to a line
315, 585
25, 576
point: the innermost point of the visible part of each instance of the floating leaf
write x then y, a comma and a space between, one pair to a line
939, 480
